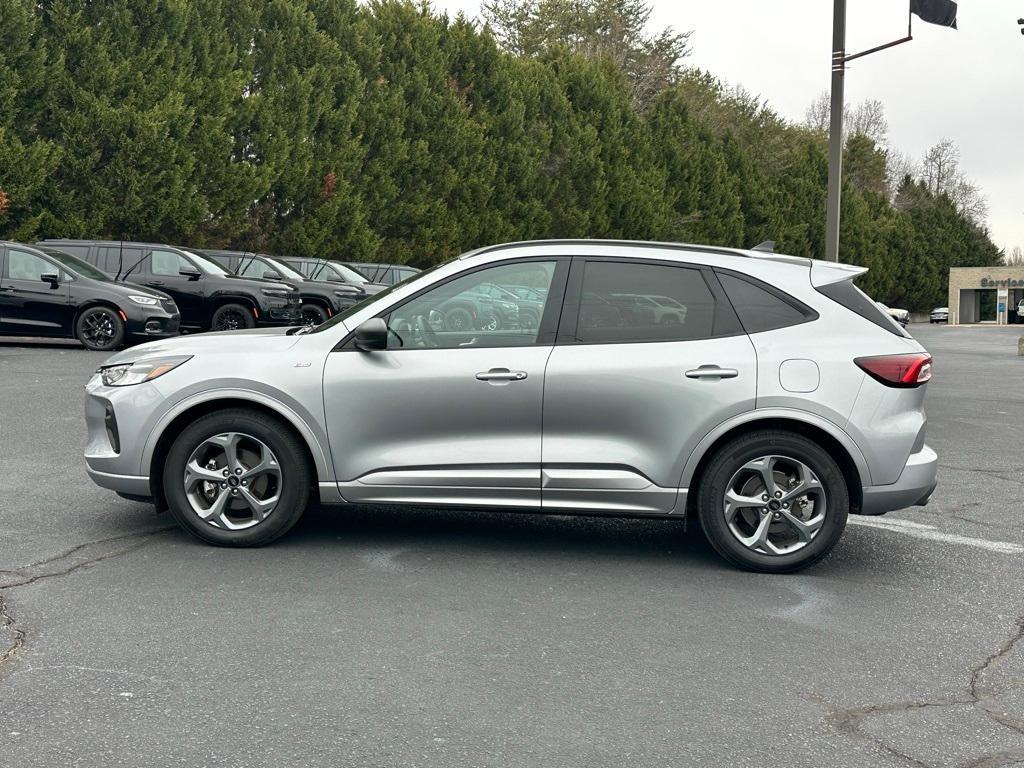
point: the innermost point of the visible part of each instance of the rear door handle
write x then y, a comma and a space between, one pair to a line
501, 374
712, 372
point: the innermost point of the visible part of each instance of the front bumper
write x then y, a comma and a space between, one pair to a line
914, 487
281, 314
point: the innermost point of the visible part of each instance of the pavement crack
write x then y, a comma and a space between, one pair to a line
58, 566
850, 721
998, 474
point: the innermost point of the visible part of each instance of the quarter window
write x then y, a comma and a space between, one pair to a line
623, 302
463, 313
760, 309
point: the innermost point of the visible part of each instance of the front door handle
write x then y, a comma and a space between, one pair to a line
501, 374
712, 372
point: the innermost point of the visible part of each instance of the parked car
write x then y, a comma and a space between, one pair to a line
320, 298
45, 292
939, 315
334, 272
385, 274
901, 316
208, 296
1020, 311
726, 417
480, 307
660, 309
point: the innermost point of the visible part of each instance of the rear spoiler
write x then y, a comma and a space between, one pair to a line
829, 272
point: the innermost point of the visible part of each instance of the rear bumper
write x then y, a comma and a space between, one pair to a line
914, 487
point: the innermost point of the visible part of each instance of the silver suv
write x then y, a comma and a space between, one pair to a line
779, 400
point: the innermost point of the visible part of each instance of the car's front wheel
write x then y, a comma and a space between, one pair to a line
773, 501
100, 329
237, 478
232, 317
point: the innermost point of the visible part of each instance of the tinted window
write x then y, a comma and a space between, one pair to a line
628, 302
81, 251
460, 313
110, 259
854, 299
761, 309
74, 264
251, 267
22, 265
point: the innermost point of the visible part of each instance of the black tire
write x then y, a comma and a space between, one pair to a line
296, 476
728, 460
458, 319
100, 329
232, 317
313, 314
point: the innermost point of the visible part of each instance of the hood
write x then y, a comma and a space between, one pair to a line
127, 289
261, 339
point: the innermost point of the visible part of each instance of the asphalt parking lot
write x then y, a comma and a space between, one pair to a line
439, 638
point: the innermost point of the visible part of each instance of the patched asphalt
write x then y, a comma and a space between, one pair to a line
373, 637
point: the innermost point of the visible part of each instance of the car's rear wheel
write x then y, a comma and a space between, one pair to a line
100, 329
313, 314
773, 501
232, 317
237, 478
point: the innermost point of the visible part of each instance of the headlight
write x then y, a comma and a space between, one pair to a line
279, 292
148, 301
126, 374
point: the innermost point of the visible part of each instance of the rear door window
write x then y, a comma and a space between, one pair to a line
624, 302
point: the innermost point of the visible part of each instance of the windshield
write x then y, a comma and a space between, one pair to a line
75, 264
323, 271
284, 269
376, 297
208, 265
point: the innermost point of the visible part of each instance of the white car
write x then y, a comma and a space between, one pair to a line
901, 316
939, 315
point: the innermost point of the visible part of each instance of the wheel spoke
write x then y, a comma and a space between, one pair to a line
228, 442
260, 507
268, 465
765, 467
736, 502
195, 473
808, 483
759, 538
214, 514
805, 529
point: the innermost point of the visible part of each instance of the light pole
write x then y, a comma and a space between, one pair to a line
835, 132
941, 12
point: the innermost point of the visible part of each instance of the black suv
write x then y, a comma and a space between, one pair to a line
385, 274
333, 272
208, 296
320, 298
45, 292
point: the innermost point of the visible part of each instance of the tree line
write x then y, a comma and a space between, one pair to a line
388, 131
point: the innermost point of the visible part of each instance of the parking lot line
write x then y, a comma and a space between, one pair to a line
930, 532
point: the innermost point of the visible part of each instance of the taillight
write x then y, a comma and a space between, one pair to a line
898, 370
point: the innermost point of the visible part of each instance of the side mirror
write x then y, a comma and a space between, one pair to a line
271, 274
191, 274
372, 335
52, 279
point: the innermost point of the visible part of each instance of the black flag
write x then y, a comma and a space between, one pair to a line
942, 12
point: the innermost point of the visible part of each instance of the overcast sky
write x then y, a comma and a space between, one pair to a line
966, 84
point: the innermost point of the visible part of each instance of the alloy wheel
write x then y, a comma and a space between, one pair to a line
231, 320
99, 328
774, 505
232, 481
